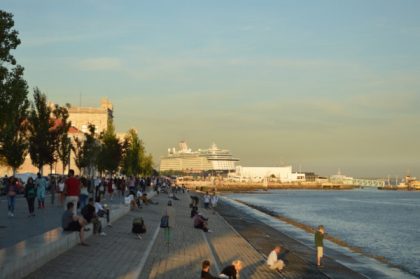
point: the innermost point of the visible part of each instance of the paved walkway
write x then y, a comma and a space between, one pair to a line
121, 255
189, 247
21, 227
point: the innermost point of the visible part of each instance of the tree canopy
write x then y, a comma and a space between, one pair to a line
110, 152
14, 103
41, 140
135, 161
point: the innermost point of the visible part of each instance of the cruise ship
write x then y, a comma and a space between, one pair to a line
202, 160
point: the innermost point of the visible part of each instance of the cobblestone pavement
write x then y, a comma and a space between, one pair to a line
21, 227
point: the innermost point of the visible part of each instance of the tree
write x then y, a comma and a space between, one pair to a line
86, 152
41, 139
13, 98
134, 160
63, 144
110, 152
147, 165
79, 157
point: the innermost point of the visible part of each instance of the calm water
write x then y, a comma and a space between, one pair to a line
382, 223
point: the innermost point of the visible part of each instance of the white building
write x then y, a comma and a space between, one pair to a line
258, 174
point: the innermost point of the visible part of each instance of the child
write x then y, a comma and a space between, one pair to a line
319, 244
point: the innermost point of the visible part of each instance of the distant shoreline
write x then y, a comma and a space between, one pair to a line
251, 187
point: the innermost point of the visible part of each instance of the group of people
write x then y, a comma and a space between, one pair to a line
90, 212
210, 200
34, 189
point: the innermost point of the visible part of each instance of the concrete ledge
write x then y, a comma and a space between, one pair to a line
26, 256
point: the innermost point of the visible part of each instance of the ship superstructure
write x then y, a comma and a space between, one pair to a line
202, 160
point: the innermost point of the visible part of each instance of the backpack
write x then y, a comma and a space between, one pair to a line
138, 225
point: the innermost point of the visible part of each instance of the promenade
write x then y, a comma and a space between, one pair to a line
21, 227
122, 254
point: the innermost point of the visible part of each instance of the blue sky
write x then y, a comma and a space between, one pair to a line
318, 84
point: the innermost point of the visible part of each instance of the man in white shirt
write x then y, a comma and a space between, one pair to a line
102, 211
273, 262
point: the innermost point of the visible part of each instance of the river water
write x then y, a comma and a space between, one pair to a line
381, 223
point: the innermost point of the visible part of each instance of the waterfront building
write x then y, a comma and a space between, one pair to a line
185, 160
259, 174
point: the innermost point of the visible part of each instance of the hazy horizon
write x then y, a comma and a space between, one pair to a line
319, 85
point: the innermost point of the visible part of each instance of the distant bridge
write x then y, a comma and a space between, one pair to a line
369, 182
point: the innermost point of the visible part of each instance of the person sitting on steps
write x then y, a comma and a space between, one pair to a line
200, 222
232, 271
205, 271
102, 211
273, 261
89, 213
74, 223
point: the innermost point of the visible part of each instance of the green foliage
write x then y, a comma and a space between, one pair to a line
78, 154
9, 39
110, 152
13, 98
63, 144
86, 151
134, 160
42, 138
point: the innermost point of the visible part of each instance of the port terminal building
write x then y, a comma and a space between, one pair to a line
259, 174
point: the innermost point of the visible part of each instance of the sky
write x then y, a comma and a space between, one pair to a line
319, 85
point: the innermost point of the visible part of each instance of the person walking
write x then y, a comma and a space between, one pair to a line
72, 191
30, 194
319, 244
84, 193
168, 231
273, 261
53, 189
41, 188
206, 199
11, 196
61, 190
213, 201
